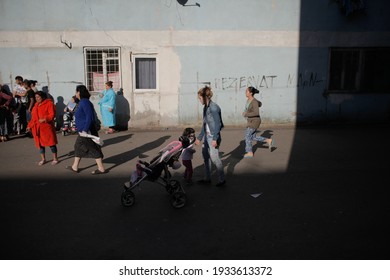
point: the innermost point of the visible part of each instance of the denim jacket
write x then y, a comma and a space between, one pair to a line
212, 116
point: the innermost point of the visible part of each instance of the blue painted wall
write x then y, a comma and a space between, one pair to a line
148, 15
292, 78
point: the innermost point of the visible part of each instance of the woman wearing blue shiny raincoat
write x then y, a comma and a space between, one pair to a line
107, 107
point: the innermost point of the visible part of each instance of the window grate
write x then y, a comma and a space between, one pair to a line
102, 65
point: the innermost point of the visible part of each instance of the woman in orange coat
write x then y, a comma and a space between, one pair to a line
42, 126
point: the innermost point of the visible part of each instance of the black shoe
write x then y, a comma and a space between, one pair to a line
220, 184
204, 182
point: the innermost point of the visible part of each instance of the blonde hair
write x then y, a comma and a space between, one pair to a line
205, 92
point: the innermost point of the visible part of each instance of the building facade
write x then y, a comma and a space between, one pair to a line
313, 61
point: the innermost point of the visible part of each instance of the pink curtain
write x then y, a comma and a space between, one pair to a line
98, 81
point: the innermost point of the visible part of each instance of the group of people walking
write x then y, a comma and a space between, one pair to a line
40, 114
210, 134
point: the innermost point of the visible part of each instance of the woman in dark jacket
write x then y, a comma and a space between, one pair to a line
5, 102
252, 113
85, 147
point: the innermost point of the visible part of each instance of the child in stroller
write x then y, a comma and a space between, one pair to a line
69, 121
158, 171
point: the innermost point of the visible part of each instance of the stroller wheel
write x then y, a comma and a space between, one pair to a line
173, 186
127, 198
178, 199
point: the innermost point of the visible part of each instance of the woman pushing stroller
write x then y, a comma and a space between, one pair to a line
157, 170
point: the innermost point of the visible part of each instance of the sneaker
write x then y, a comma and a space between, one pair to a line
248, 155
220, 184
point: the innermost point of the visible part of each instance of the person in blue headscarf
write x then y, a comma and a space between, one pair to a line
107, 107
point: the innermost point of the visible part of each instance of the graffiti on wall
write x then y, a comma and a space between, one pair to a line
267, 81
302, 81
230, 83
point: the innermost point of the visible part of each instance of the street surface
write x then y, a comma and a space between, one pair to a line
322, 194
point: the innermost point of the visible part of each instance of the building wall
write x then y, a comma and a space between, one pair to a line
281, 47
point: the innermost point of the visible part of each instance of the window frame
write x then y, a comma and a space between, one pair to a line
360, 78
135, 56
86, 65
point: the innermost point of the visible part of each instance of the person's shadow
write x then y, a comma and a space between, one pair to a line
135, 152
107, 142
60, 107
266, 134
116, 140
229, 160
9, 117
122, 111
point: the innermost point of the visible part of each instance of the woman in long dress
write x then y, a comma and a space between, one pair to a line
107, 107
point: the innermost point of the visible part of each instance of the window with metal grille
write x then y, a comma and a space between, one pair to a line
359, 70
102, 65
145, 72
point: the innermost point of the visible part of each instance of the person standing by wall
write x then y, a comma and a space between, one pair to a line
252, 114
42, 126
30, 94
107, 107
5, 102
19, 93
34, 85
211, 136
85, 147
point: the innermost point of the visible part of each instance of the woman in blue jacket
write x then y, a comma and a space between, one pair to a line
107, 107
211, 136
85, 147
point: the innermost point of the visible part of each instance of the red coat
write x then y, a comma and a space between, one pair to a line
44, 133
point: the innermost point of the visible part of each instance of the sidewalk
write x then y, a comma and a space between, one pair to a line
312, 198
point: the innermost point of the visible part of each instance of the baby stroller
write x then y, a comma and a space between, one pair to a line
158, 171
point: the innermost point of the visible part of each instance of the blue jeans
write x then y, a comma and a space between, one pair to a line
250, 135
211, 154
52, 148
28, 116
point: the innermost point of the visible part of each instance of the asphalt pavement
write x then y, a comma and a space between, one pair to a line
321, 194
